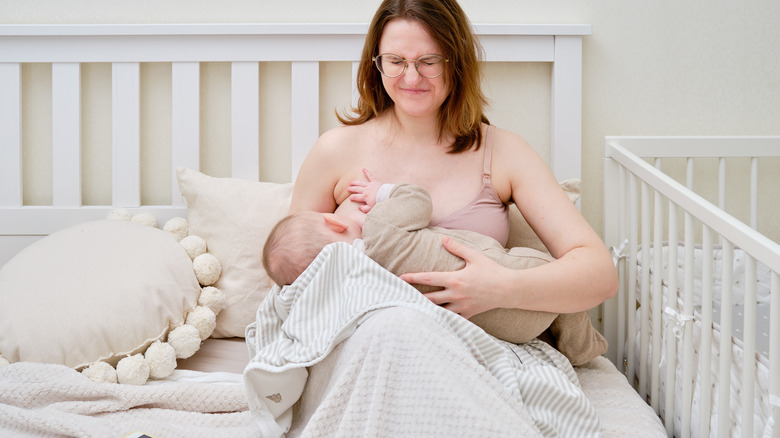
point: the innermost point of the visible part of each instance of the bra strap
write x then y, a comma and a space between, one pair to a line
488, 152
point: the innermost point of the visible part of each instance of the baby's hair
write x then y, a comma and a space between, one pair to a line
293, 243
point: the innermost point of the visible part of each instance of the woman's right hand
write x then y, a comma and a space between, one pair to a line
471, 290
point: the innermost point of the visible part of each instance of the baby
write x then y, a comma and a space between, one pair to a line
396, 235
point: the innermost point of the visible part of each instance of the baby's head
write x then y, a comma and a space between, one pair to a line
296, 240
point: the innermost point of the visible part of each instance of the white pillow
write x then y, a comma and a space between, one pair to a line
97, 291
235, 216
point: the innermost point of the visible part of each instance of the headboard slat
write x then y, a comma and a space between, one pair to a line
66, 134
566, 125
126, 151
10, 135
355, 94
185, 121
245, 119
305, 105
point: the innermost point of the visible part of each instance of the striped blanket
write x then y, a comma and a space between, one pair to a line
397, 364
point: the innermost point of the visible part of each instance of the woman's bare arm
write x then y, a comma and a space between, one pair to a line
582, 277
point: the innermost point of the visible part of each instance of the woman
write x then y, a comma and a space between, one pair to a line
420, 120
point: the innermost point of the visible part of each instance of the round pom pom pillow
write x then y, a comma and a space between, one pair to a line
98, 291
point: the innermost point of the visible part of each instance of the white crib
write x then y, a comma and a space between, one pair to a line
689, 357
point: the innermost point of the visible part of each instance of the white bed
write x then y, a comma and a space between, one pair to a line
704, 334
71, 54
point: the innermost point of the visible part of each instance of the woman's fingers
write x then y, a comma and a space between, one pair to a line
460, 250
426, 278
464, 291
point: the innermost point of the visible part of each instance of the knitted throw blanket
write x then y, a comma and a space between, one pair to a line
54, 400
397, 365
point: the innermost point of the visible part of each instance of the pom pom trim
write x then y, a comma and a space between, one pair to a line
159, 359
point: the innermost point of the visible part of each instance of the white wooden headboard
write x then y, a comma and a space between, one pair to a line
185, 46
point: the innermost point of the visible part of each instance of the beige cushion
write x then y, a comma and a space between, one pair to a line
235, 216
96, 291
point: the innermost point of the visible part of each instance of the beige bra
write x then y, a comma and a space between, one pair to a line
486, 213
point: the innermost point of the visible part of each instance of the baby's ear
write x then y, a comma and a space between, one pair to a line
335, 223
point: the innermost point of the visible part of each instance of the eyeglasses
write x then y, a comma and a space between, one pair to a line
392, 66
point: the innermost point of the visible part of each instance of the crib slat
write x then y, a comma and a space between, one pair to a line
749, 346
644, 292
726, 327
245, 120
632, 266
774, 352
687, 342
185, 120
671, 341
622, 263
126, 191
657, 293
66, 134
705, 348
305, 108
10, 135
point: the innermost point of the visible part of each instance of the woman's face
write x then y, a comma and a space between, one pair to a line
412, 93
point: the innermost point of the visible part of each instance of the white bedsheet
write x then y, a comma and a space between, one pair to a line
413, 368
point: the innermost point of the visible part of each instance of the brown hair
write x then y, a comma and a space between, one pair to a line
291, 246
462, 113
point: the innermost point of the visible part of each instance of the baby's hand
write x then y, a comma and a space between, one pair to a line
364, 192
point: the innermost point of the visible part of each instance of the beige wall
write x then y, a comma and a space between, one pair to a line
652, 68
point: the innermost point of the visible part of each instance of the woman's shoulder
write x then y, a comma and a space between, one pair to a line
510, 148
505, 139
336, 136
342, 137
515, 162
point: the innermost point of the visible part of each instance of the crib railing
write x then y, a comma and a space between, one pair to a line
643, 207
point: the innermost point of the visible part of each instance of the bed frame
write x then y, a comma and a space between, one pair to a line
644, 209
186, 46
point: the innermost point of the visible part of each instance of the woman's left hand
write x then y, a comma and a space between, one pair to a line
468, 291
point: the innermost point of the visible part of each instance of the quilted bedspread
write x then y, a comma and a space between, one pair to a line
57, 401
